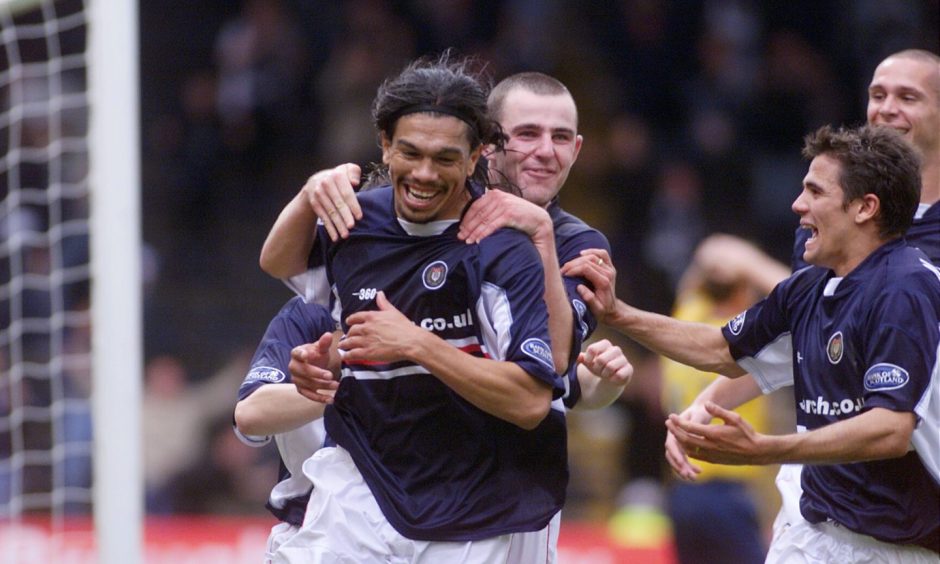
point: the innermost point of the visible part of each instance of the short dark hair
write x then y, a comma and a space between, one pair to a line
535, 82
442, 85
875, 160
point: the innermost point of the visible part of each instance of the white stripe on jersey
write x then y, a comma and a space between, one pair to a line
311, 285
926, 437
772, 367
368, 374
496, 329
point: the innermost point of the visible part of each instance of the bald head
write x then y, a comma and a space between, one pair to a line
904, 95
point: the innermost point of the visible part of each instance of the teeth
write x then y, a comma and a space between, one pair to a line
421, 195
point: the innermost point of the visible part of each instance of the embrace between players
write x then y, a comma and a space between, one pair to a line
436, 340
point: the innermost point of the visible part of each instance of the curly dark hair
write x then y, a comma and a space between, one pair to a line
442, 85
875, 160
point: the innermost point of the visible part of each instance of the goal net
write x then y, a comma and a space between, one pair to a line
68, 147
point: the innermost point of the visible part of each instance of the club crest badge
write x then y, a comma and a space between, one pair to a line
434, 275
835, 348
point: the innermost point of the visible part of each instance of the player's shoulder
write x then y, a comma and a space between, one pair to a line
569, 225
508, 246
375, 199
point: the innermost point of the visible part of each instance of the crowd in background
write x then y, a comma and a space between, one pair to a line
692, 112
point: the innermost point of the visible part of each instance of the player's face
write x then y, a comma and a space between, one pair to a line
905, 94
429, 159
543, 143
821, 210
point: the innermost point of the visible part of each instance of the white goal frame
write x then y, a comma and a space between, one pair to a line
112, 62
117, 351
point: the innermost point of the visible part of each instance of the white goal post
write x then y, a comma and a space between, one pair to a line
70, 170
117, 319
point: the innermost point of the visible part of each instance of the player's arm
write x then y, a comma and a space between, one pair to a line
698, 345
328, 195
728, 393
726, 259
497, 209
876, 434
502, 389
603, 372
275, 408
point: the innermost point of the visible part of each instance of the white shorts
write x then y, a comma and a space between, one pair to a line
790, 488
805, 543
279, 535
344, 524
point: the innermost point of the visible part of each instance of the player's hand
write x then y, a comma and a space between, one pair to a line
675, 454
382, 335
595, 266
733, 442
496, 209
332, 196
309, 370
607, 361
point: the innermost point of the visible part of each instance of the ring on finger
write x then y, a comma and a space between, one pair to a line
600, 262
331, 213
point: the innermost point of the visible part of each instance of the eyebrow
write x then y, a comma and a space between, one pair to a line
446, 150
537, 126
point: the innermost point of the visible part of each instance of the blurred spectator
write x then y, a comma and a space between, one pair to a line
176, 420
716, 518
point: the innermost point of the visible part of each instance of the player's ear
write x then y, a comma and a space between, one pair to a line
869, 208
386, 147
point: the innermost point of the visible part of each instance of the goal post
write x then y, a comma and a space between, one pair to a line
117, 351
71, 352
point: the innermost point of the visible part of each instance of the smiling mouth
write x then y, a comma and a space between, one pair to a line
812, 229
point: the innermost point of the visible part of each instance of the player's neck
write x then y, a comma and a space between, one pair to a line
930, 181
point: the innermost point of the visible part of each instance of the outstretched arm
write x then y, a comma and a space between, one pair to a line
876, 434
502, 389
603, 372
328, 195
275, 408
728, 393
694, 344
497, 209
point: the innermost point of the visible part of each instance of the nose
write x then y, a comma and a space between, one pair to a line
799, 206
545, 147
424, 171
888, 106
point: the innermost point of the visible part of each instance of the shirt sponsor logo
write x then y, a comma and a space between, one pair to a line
365, 294
885, 376
823, 406
539, 350
458, 321
835, 348
265, 374
736, 324
434, 275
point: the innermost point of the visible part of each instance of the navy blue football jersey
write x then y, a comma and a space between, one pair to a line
847, 345
297, 323
440, 468
923, 234
571, 237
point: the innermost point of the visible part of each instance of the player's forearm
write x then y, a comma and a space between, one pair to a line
596, 392
874, 435
698, 345
502, 389
275, 408
729, 393
288, 244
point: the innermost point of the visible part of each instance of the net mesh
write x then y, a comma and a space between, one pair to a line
45, 378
